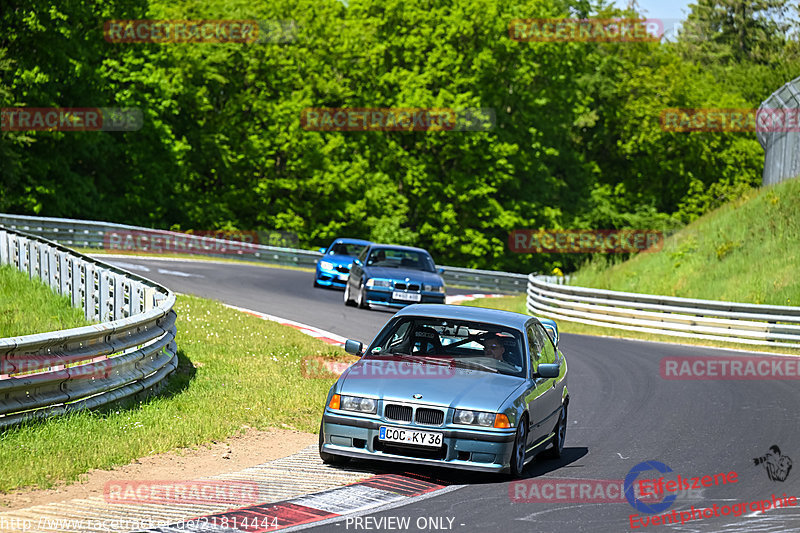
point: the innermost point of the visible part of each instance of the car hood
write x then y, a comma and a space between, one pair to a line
439, 385
417, 276
338, 260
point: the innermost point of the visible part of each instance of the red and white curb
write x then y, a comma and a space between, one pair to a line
288, 478
321, 334
460, 298
380, 491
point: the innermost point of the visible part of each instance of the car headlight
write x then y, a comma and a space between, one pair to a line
360, 405
327, 265
475, 418
434, 288
378, 283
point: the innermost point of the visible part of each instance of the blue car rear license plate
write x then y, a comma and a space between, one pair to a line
410, 436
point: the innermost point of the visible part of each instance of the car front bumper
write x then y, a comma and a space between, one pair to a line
383, 296
331, 278
464, 449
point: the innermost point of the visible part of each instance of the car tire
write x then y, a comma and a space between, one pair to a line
362, 300
518, 454
328, 458
347, 301
560, 435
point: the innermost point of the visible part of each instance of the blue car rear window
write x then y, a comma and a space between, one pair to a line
341, 248
389, 257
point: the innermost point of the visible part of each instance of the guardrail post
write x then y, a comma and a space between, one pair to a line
64, 273
105, 301
89, 292
149, 298
14, 252
121, 287
76, 274
30, 258
52, 269
3, 247
137, 298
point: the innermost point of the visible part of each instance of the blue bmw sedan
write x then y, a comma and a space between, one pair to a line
334, 267
462, 387
395, 276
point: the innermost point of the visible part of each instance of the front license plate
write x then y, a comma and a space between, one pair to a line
410, 436
406, 296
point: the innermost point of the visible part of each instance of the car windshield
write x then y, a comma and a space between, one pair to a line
483, 347
390, 257
343, 248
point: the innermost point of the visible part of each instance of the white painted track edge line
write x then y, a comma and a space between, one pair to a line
286, 321
217, 260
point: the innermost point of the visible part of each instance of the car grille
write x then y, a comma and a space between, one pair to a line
429, 417
342, 269
401, 413
402, 286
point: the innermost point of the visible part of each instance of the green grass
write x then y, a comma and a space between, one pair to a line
28, 307
517, 304
745, 251
236, 371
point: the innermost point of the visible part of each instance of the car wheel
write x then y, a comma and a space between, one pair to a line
362, 300
328, 458
347, 301
561, 434
518, 455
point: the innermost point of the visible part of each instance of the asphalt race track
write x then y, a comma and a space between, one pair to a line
621, 414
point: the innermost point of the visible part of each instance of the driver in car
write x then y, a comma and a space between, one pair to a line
493, 347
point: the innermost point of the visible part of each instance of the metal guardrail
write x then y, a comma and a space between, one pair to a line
130, 350
90, 234
766, 325
782, 148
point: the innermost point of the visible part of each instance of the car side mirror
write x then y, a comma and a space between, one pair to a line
440, 271
354, 347
322, 250
548, 370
